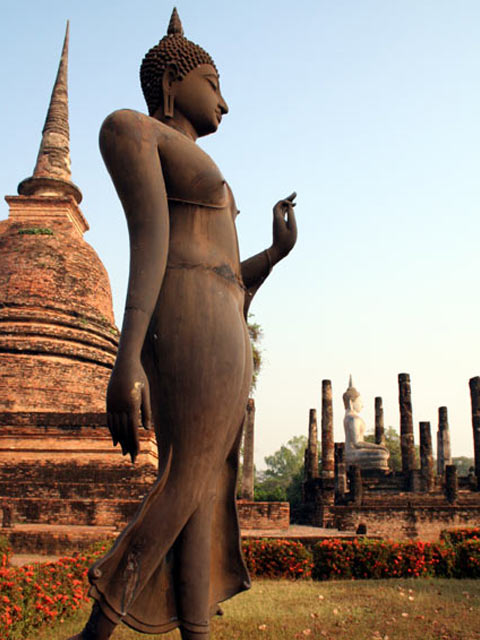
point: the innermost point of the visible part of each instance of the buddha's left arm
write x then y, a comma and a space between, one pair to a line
256, 269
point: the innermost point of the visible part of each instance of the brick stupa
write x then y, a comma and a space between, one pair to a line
61, 482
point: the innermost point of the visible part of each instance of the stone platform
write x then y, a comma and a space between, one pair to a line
88, 535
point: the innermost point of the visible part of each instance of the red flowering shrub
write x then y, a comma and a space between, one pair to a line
364, 558
5, 552
456, 536
277, 558
440, 559
333, 559
38, 593
467, 558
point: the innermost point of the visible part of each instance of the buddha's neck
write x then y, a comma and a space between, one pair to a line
177, 122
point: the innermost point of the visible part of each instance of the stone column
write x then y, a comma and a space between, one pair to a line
379, 423
356, 485
426, 456
328, 449
451, 483
475, 397
440, 458
311, 452
444, 453
406, 423
340, 470
248, 441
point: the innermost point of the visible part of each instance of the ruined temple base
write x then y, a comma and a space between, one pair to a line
389, 510
62, 484
257, 519
408, 516
64, 487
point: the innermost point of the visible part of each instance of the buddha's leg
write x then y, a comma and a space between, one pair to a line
98, 627
193, 572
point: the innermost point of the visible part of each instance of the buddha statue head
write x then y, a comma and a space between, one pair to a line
175, 55
352, 398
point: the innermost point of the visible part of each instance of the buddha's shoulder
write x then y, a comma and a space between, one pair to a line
130, 122
125, 119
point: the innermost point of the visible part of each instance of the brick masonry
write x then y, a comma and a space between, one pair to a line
407, 520
58, 339
63, 484
390, 511
274, 516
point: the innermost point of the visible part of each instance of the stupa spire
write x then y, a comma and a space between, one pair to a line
52, 173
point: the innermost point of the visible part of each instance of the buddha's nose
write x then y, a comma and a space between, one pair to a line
223, 106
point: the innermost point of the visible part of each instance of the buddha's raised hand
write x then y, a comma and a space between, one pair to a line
284, 227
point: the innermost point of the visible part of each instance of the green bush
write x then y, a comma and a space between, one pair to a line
277, 558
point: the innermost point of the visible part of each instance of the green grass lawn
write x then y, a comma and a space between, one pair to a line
432, 609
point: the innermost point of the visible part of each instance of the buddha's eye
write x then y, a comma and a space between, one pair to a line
213, 85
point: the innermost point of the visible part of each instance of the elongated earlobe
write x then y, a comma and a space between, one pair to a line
168, 105
170, 75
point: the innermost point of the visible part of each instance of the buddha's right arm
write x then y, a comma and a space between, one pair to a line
256, 269
129, 146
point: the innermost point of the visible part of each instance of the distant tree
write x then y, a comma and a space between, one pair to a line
256, 334
463, 464
282, 478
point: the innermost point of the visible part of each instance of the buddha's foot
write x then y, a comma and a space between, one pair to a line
194, 635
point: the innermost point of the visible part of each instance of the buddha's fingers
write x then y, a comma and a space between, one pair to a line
121, 423
131, 425
146, 409
112, 429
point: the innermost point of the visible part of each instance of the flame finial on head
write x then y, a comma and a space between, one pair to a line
350, 394
175, 24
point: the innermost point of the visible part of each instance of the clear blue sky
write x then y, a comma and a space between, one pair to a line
370, 110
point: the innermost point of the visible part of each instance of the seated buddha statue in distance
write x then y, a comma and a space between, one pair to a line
365, 455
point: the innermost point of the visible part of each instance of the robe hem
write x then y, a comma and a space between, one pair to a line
165, 627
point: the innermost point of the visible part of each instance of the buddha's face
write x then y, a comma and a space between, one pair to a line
199, 100
357, 404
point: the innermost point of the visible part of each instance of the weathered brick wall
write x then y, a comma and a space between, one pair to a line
57, 270
54, 474
407, 521
56, 542
57, 335
263, 515
44, 382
